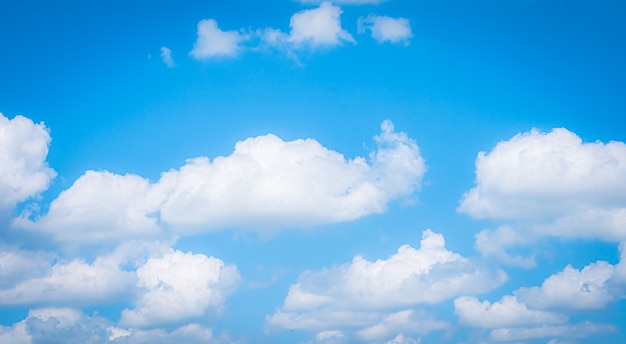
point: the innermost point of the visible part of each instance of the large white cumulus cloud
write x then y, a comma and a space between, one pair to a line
265, 183
23, 169
362, 293
553, 182
178, 286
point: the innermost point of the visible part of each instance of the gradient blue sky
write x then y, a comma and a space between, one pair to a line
129, 215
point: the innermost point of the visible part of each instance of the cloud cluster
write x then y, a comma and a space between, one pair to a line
361, 293
265, 183
67, 325
313, 28
535, 312
24, 172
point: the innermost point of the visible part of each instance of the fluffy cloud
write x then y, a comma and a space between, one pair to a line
74, 282
17, 265
574, 289
24, 172
361, 293
166, 56
554, 183
213, 42
493, 244
318, 27
65, 325
386, 29
265, 183
504, 313
102, 206
178, 286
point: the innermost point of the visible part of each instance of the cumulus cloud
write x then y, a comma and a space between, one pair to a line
265, 183
312, 28
361, 293
213, 42
574, 289
178, 286
74, 282
24, 172
386, 29
66, 325
18, 265
504, 313
166, 57
553, 183
103, 206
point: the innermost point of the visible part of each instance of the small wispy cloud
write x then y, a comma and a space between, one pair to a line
166, 56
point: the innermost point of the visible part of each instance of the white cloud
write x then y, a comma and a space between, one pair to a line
24, 172
213, 42
581, 330
66, 325
166, 57
329, 336
345, 2
266, 183
386, 29
18, 265
554, 183
103, 206
407, 321
493, 245
508, 312
313, 28
75, 282
360, 293
179, 286
572, 288
401, 339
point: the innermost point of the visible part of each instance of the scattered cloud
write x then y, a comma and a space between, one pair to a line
318, 27
213, 42
386, 29
361, 293
553, 183
166, 57
581, 330
572, 288
493, 244
24, 172
66, 325
504, 313
265, 183
179, 286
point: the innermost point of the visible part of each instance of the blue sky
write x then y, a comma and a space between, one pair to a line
357, 171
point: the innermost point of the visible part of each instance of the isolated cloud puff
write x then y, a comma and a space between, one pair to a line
179, 286
213, 42
362, 293
554, 183
312, 28
24, 172
166, 57
386, 29
265, 183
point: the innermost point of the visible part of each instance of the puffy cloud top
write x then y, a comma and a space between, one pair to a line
265, 183
23, 169
214, 42
387, 29
568, 187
